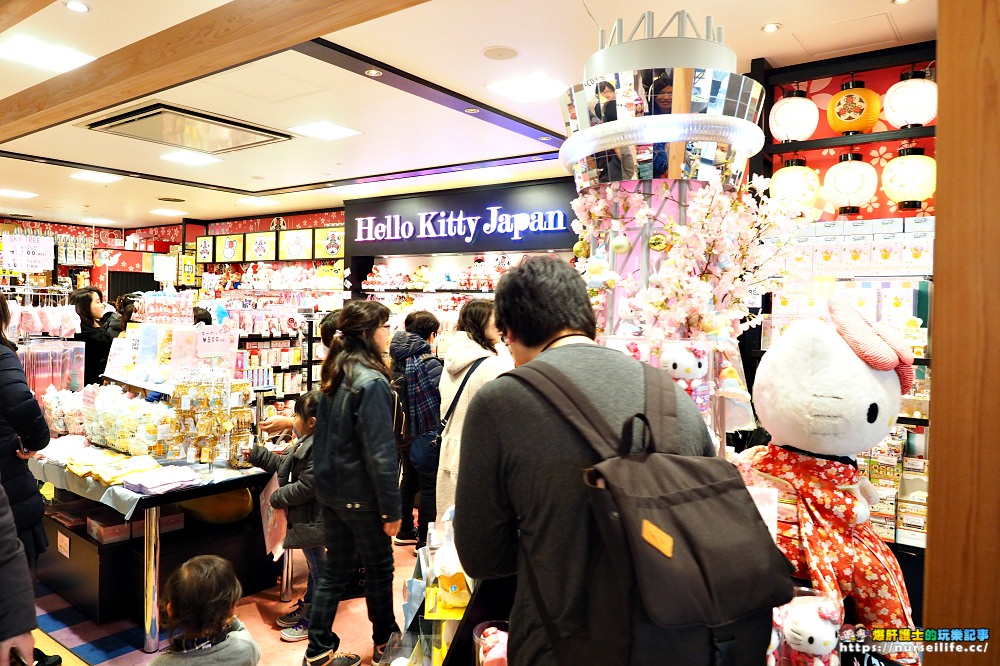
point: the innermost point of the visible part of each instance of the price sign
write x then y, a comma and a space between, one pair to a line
165, 268
215, 341
28, 254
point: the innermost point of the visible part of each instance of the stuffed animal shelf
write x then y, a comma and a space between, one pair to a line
826, 392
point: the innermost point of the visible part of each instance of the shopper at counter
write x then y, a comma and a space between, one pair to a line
476, 337
354, 457
416, 374
22, 431
89, 304
520, 486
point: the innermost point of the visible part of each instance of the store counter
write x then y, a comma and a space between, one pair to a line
218, 479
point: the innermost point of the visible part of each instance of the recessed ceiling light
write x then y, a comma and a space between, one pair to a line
171, 199
95, 176
256, 177
323, 130
771, 27
500, 53
373, 72
529, 88
17, 194
900, 2
256, 201
78, 7
168, 212
97, 220
545, 138
536, 158
190, 158
35, 52
472, 110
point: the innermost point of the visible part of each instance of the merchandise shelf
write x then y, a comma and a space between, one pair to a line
851, 140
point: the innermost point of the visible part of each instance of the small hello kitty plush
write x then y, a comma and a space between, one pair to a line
809, 628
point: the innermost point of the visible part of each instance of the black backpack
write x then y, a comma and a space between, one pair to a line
401, 409
686, 571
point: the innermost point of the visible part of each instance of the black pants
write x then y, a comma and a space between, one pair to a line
409, 486
348, 532
428, 505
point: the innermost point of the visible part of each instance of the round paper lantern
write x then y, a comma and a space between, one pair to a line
853, 110
910, 178
912, 102
793, 117
850, 183
795, 182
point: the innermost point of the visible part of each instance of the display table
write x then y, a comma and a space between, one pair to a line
218, 479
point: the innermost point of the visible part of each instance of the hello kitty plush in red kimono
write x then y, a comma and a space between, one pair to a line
826, 392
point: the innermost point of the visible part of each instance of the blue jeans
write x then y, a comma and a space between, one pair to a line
316, 559
350, 534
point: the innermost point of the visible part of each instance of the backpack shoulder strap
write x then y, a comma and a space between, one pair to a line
574, 406
661, 410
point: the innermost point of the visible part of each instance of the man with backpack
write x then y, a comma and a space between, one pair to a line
522, 505
416, 374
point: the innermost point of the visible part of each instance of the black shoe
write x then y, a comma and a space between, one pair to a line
42, 659
405, 538
378, 652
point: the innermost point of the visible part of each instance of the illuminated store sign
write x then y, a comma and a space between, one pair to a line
527, 217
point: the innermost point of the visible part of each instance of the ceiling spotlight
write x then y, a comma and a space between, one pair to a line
771, 27
900, 2
78, 7
373, 72
472, 110
545, 138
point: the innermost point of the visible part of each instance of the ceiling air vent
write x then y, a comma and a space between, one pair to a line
186, 128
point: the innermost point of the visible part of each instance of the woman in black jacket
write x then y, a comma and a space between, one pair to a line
89, 304
22, 431
354, 459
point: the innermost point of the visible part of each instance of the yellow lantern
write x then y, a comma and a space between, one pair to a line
910, 178
853, 110
795, 182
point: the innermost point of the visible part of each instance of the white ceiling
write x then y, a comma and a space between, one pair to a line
441, 42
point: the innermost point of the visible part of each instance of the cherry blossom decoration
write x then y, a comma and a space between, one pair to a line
720, 244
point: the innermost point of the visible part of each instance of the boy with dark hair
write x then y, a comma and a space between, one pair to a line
202, 316
520, 493
416, 375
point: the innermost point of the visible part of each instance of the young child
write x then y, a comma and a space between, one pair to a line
297, 494
199, 606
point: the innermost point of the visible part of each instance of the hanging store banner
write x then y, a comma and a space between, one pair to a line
523, 217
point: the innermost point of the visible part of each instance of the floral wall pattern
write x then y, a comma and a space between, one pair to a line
168, 234
878, 155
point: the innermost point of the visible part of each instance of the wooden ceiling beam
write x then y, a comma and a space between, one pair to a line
13, 12
230, 35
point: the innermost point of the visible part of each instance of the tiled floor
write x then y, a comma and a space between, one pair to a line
80, 641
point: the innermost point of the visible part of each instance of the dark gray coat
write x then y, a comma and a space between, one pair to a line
296, 493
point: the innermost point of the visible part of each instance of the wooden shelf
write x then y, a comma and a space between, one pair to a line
853, 140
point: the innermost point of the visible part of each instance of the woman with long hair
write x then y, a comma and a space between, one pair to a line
476, 337
22, 432
89, 304
354, 460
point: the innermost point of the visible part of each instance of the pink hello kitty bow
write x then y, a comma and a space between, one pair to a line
878, 345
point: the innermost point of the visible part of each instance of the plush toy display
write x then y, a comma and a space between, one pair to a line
826, 392
809, 631
688, 365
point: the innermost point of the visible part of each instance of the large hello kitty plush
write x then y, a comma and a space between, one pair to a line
826, 392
